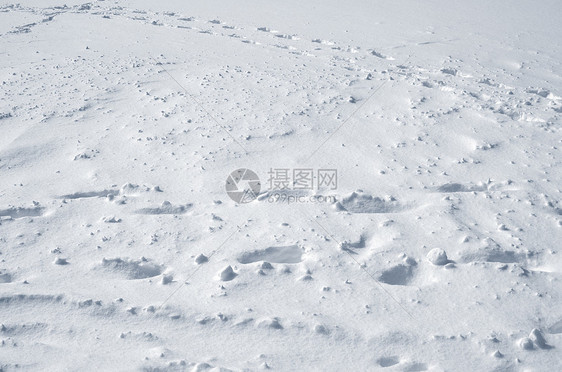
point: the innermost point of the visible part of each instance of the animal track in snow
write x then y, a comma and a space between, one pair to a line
380, 55
358, 202
449, 71
90, 194
457, 187
325, 42
288, 37
5, 277
397, 275
165, 208
350, 246
492, 252
20, 212
131, 269
388, 361
27, 299
287, 254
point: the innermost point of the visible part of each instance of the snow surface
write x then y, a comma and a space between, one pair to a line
120, 122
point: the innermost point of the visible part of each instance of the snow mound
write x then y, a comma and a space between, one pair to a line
227, 274
437, 256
